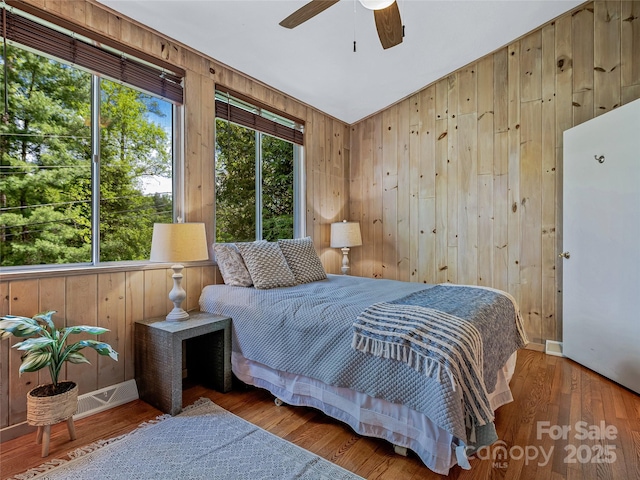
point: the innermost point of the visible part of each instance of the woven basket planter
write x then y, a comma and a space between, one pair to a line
42, 411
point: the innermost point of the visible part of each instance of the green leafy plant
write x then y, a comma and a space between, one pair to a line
47, 345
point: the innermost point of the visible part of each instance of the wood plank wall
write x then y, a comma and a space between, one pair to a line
115, 300
462, 182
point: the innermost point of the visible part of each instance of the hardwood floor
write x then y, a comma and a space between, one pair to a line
546, 389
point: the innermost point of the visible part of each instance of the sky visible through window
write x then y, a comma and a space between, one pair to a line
153, 184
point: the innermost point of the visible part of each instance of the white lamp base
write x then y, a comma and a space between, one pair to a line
177, 315
345, 260
177, 296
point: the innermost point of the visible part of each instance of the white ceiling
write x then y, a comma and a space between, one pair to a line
315, 62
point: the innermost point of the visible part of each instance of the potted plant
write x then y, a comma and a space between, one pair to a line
46, 346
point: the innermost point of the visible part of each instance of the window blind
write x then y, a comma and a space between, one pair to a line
226, 110
29, 33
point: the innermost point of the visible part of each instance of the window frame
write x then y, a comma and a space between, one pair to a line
299, 175
177, 165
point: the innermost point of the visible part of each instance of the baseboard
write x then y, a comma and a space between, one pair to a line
538, 347
106, 398
553, 348
15, 431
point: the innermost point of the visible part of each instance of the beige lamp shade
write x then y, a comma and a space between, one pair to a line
179, 242
345, 234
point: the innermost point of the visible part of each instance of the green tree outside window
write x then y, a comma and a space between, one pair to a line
236, 185
46, 171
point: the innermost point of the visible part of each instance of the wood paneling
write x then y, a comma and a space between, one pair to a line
606, 55
22, 298
451, 174
52, 296
82, 309
548, 185
495, 159
112, 315
582, 25
117, 300
390, 193
425, 175
485, 141
630, 43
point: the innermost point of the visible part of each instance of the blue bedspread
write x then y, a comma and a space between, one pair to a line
308, 330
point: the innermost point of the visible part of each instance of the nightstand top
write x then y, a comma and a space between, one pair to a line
196, 319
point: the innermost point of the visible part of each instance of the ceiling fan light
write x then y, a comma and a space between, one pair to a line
376, 4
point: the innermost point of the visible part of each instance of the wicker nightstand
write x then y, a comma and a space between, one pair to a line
158, 357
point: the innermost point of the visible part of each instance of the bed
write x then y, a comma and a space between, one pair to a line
307, 344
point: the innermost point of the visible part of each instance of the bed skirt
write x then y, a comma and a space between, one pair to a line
366, 415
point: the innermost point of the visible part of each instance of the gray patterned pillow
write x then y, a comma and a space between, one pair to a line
231, 265
266, 264
303, 259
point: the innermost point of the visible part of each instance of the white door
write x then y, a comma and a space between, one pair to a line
601, 233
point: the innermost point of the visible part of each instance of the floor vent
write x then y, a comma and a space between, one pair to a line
106, 398
553, 348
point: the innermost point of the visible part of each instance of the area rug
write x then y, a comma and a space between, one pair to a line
205, 441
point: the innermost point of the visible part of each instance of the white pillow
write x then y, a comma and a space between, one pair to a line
231, 265
302, 259
266, 264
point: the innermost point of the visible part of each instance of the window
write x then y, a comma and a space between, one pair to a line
135, 170
86, 163
258, 173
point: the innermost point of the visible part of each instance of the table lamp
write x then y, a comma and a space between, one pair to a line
178, 242
344, 235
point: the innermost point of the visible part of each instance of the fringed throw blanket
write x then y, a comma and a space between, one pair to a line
441, 332
431, 342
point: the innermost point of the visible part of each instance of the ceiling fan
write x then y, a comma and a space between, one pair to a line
385, 12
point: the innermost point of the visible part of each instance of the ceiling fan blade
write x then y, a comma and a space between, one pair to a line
310, 10
389, 25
